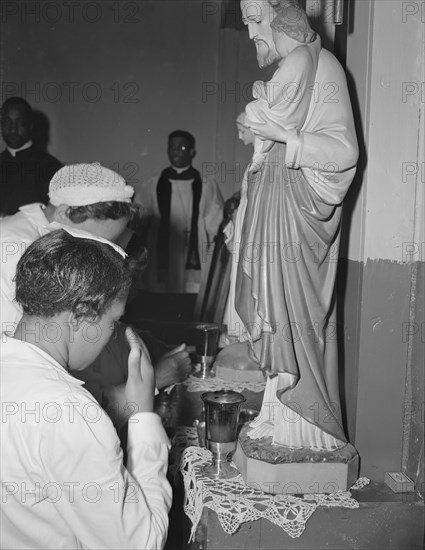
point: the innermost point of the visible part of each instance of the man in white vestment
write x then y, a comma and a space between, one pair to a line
183, 212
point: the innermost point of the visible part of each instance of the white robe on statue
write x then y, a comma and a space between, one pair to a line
293, 217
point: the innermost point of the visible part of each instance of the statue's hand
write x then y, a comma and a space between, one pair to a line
267, 130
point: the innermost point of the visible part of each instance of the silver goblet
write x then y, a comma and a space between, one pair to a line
221, 429
206, 342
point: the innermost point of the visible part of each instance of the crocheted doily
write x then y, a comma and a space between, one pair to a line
213, 384
184, 437
236, 503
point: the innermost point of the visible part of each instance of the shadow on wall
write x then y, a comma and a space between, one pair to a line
348, 283
40, 131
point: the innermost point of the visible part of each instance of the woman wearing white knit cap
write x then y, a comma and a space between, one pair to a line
86, 184
88, 197
95, 199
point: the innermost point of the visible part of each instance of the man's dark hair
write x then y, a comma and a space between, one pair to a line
109, 210
185, 135
59, 272
17, 102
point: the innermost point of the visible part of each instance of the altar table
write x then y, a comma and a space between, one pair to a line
381, 520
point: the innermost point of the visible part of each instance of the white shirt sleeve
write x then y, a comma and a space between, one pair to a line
105, 504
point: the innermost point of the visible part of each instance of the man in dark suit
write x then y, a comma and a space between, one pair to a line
25, 170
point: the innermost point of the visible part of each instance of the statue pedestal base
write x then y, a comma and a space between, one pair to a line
280, 470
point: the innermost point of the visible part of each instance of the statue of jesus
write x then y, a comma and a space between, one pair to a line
285, 282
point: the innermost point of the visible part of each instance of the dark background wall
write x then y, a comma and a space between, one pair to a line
114, 78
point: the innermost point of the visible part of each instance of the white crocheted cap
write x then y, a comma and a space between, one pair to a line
83, 184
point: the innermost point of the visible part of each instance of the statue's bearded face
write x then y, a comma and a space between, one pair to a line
257, 15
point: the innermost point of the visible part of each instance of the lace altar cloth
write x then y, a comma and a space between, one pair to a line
236, 503
213, 384
184, 437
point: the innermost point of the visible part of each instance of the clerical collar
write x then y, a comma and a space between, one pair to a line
180, 170
14, 151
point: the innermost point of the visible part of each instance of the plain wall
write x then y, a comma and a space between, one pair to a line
114, 78
383, 320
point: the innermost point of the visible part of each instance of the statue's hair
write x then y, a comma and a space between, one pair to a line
59, 272
292, 20
276, 4
108, 210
